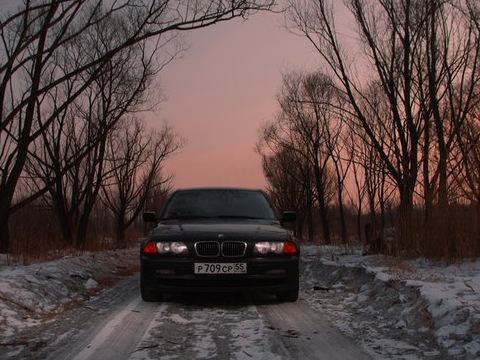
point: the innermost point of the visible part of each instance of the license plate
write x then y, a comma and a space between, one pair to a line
220, 268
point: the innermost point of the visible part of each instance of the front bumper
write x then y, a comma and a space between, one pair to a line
264, 274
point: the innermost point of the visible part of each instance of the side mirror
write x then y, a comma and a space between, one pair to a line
288, 216
149, 216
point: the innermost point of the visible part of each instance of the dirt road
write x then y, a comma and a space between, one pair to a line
119, 325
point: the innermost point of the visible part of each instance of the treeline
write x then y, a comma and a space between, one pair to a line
77, 162
386, 133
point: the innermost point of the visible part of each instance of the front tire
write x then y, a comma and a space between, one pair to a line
288, 296
149, 295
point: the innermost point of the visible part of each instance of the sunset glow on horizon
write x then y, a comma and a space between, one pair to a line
221, 92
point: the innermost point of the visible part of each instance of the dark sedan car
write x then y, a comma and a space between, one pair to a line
222, 240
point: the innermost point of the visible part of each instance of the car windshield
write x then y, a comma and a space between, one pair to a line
218, 203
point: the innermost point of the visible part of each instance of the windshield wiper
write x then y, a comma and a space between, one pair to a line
239, 217
187, 217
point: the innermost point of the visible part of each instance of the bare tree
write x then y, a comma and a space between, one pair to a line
70, 154
307, 104
423, 56
390, 37
290, 185
449, 70
358, 192
33, 39
336, 141
468, 174
135, 159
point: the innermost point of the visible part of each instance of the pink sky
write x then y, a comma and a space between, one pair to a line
222, 91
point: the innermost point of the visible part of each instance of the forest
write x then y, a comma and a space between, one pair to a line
380, 145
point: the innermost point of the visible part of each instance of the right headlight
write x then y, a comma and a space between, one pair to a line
275, 247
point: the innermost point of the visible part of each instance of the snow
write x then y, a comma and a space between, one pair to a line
391, 307
450, 292
33, 294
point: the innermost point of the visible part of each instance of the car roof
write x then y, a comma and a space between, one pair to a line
208, 188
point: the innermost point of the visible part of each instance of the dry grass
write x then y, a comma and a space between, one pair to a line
451, 234
34, 237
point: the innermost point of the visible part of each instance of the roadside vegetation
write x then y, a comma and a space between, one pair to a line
78, 163
380, 145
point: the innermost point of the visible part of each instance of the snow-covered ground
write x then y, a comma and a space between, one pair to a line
420, 301
392, 308
35, 294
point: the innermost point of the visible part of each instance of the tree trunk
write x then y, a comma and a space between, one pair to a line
406, 210
121, 233
343, 224
4, 232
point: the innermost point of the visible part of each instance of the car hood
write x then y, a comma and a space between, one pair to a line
220, 230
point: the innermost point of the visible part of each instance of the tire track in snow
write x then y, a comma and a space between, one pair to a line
307, 334
116, 339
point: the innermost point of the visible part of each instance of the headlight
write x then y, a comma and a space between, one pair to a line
275, 247
164, 247
178, 248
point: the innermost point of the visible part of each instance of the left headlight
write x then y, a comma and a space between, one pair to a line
275, 247
165, 247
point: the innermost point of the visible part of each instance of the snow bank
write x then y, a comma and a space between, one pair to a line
418, 297
33, 294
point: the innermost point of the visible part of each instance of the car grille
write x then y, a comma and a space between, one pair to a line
225, 249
